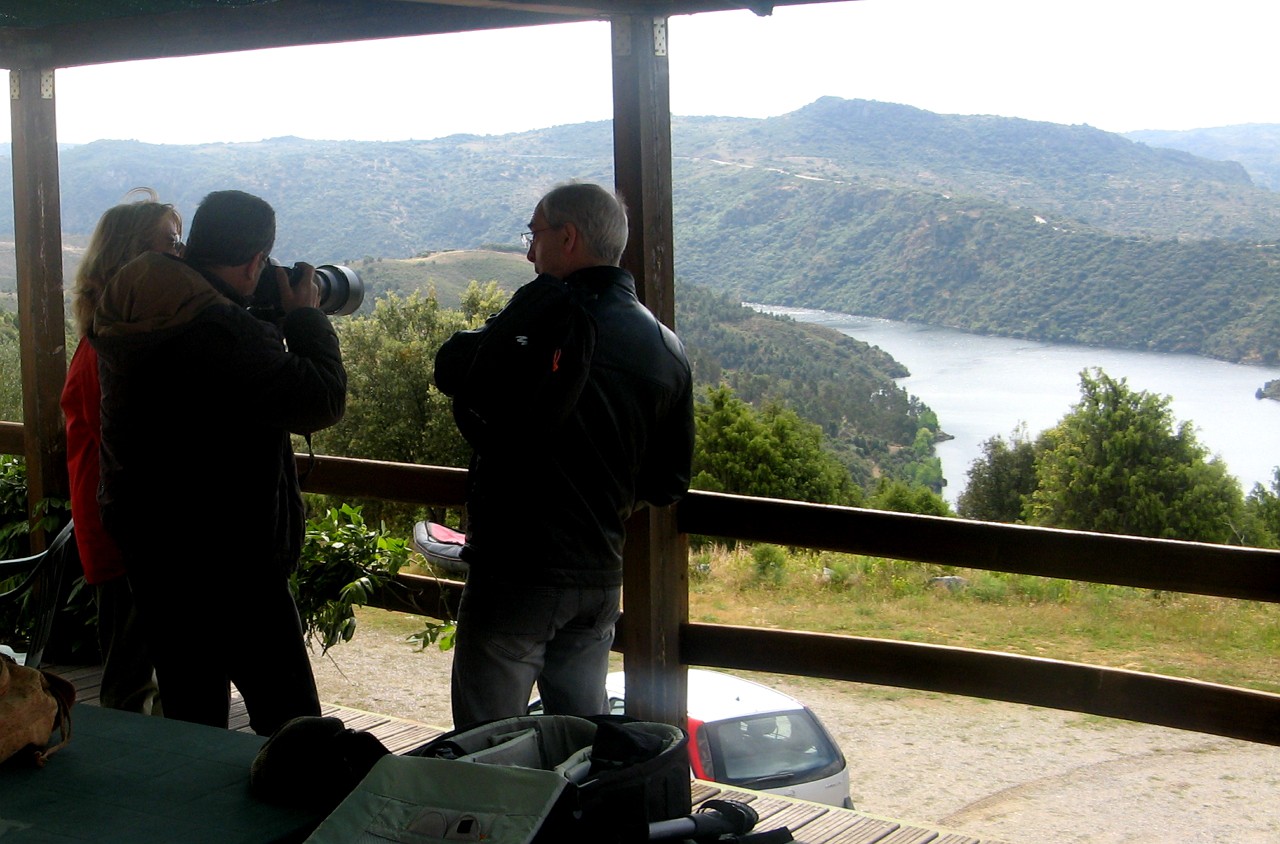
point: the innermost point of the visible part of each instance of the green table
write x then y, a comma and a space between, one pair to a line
136, 779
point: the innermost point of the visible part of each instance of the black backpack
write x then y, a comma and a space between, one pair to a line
519, 374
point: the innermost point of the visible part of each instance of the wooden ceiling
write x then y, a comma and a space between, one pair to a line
50, 34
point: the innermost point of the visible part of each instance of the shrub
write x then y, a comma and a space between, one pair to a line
344, 563
770, 562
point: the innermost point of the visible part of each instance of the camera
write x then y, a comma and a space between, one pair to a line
341, 290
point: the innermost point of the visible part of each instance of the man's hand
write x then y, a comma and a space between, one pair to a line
304, 294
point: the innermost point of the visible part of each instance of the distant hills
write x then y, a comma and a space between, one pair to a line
1255, 146
988, 224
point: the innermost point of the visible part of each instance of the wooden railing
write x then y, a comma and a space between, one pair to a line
1241, 573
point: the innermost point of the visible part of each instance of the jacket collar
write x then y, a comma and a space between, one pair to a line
596, 279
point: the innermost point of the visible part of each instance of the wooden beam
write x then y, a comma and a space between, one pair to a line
1193, 567
38, 247
222, 29
217, 28
655, 587
642, 156
432, 597
656, 597
1110, 692
403, 482
12, 438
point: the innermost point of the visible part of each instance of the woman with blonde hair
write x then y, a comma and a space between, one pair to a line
123, 233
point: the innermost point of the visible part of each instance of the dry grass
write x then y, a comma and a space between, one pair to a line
1212, 639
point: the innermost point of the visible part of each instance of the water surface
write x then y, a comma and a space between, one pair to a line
983, 386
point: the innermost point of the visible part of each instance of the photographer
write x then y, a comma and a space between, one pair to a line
198, 484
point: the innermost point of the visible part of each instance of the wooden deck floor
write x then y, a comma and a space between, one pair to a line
810, 823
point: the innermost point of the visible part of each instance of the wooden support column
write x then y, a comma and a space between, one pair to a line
642, 156
41, 319
655, 588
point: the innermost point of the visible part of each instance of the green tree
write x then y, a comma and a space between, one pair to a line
771, 453
1261, 526
902, 497
11, 381
394, 412
1118, 464
1001, 481
481, 300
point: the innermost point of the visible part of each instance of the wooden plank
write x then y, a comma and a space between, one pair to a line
655, 569
404, 482
642, 156
793, 816
909, 835
231, 27
702, 791
1194, 567
432, 597
218, 28
845, 828
38, 251
1110, 692
958, 838
12, 438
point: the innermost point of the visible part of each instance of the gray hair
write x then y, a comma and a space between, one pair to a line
600, 216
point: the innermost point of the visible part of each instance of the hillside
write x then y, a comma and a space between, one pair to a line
985, 224
1096, 178
1255, 146
842, 384
984, 267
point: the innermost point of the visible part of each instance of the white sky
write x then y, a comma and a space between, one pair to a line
1119, 65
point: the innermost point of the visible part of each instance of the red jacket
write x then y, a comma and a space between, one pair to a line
81, 398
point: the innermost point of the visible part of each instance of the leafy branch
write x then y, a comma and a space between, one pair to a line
344, 564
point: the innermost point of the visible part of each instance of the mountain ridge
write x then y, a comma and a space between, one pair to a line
987, 224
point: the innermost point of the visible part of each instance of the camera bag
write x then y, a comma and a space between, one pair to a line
533, 779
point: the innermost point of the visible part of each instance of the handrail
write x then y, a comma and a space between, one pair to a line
1164, 564
1110, 692
12, 438
1245, 573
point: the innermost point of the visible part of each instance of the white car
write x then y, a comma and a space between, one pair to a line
748, 735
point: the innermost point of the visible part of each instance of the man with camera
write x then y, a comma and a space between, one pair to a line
602, 420
198, 482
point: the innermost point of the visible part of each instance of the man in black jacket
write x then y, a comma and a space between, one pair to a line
198, 484
548, 495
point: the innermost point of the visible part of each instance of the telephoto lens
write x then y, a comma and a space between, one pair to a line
341, 290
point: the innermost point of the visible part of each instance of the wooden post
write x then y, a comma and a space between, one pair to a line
642, 156
38, 247
655, 587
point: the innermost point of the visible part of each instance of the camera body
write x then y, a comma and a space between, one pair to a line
341, 290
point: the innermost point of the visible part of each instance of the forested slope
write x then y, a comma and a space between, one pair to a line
986, 224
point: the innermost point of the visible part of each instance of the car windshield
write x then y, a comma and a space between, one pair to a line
770, 750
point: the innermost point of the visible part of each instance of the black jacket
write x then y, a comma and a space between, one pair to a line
198, 399
549, 508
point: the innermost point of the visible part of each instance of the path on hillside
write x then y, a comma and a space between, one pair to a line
992, 770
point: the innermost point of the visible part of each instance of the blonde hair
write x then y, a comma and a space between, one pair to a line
123, 233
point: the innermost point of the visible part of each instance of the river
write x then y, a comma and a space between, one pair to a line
983, 386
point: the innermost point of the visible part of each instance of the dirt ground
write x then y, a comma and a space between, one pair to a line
988, 769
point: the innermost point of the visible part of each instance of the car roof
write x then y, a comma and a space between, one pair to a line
715, 696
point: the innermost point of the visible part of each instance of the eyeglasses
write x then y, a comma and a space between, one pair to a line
527, 237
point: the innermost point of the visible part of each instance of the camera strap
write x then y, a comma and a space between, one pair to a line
311, 461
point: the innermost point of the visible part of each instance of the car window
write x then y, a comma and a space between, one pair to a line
770, 750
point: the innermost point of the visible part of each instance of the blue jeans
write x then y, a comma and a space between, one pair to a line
511, 637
